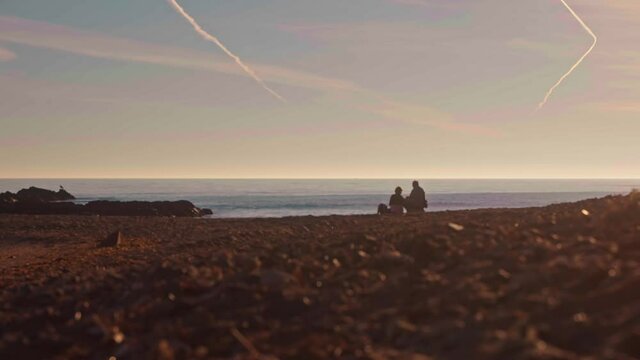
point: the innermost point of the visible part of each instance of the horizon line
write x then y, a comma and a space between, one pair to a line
320, 178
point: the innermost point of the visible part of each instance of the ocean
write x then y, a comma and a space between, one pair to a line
279, 198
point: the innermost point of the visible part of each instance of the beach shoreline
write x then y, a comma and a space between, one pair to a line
558, 281
279, 198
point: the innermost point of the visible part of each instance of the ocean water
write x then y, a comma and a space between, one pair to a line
278, 198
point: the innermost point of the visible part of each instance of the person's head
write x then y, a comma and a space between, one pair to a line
415, 183
398, 190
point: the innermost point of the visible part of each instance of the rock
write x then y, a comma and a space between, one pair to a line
103, 208
143, 208
34, 194
113, 240
64, 194
40, 208
206, 212
38, 201
456, 227
8, 198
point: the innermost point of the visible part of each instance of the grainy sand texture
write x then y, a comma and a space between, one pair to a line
559, 282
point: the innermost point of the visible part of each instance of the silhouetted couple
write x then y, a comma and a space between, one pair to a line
415, 203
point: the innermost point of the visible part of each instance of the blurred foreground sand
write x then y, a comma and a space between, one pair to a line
560, 282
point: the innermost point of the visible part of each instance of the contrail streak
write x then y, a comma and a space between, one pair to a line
595, 41
215, 40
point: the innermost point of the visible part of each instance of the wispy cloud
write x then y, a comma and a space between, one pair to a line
424, 115
627, 62
81, 42
629, 7
624, 107
6, 55
547, 49
208, 37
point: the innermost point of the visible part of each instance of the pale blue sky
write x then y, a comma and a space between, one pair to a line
375, 88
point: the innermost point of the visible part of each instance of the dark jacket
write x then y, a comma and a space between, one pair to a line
396, 200
417, 197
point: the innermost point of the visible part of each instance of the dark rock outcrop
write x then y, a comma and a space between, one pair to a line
8, 198
143, 208
42, 208
34, 194
38, 201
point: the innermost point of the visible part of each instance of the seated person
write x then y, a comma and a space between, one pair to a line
396, 204
417, 200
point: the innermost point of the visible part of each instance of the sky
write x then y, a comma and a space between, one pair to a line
372, 89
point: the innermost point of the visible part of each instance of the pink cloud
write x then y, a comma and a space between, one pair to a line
81, 42
86, 43
424, 115
626, 107
6, 55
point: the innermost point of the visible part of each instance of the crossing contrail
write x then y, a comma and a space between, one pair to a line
249, 71
595, 41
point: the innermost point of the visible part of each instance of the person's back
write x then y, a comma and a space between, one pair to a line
396, 202
417, 200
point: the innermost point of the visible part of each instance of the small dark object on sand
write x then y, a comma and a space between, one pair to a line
113, 240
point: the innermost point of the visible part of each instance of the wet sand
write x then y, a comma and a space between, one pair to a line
559, 282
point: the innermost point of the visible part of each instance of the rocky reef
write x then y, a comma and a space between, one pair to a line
36, 201
34, 194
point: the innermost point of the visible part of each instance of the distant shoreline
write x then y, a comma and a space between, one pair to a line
329, 216
280, 198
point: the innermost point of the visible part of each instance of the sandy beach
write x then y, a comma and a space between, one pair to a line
559, 282
236, 180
